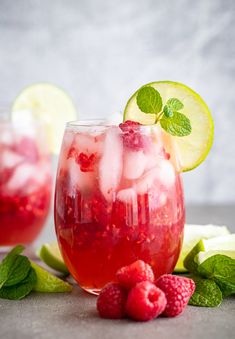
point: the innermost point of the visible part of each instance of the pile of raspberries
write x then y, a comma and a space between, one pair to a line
137, 294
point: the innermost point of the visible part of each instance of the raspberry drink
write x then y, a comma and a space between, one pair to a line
25, 183
118, 198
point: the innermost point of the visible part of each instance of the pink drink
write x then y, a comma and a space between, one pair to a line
118, 198
25, 184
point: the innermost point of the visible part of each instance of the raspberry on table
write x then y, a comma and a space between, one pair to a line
145, 301
129, 276
111, 301
178, 291
132, 137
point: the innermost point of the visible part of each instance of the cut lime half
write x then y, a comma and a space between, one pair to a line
50, 255
194, 233
217, 244
50, 105
194, 148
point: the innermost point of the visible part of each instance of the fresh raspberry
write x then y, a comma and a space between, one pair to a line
86, 162
178, 291
132, 137
129, 276
111, 301
145, 301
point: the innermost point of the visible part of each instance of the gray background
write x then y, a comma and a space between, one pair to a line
102, 51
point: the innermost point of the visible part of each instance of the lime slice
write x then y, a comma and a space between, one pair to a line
218, 244
194, 233
194, 148
49, 104
47, 282
50, 255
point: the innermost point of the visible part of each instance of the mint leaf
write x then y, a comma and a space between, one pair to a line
8, 262
21, 289
177, 125
174, 104
206, 294
167, 112
149, 100
221, 269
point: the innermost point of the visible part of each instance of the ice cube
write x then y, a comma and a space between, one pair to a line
134, 164
42, 177
127, 195
171, 147
21, 175
84, 181
9, 159
144, 184
162, 175
87, 143
157, 198
166, 173
155, 151
110, 167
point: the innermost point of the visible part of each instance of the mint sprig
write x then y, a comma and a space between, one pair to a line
221, 269
172, 121
214, 278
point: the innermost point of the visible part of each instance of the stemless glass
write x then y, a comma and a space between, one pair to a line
118, 198
25, 180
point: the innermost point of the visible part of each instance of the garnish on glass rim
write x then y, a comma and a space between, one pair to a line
149, 101
181, 112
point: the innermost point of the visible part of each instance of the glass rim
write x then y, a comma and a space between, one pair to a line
99, 123
90, 123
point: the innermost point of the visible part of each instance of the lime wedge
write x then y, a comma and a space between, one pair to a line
194, 148
49, 104
194, 233
218, 244
50, 255
47, 282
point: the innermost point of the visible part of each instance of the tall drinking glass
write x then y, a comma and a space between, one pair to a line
25, 180
119, 198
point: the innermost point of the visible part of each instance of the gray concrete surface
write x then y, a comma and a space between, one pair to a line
101, 51
53, 316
